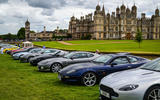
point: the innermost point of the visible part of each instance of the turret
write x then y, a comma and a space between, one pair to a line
27, 23
134, 11
27, 30
127, 10
123, 8
103, 11
44, 29
117, 11
157, 12
143, 15
98, 8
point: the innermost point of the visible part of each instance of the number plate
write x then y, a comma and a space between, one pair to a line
59, 77
105, 94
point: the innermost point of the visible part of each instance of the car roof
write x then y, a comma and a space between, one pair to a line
118, 55
81, 52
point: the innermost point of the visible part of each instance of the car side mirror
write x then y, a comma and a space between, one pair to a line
72, 58
113, 64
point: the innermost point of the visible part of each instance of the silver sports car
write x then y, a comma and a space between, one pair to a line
137, 84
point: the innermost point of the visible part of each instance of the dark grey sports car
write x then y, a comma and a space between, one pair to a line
59, 53
27, 57
55, 64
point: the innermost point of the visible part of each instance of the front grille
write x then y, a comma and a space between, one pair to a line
108, 90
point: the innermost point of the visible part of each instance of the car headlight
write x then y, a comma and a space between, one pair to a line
71, 71
129, 87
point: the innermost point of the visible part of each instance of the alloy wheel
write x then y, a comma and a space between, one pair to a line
56, 67
89, 79
154, 94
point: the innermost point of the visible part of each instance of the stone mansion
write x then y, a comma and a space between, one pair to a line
122, 24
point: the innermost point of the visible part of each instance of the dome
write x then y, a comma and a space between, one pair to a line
108, 14
123, 6
127, 10
27, 22
117, 8
157, 10
98, 7
134, 7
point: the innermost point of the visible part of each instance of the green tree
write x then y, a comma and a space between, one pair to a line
21, 33
138, 37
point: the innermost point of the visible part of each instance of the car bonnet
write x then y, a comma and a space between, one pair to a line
133, 76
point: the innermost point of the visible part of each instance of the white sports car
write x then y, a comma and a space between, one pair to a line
137, 84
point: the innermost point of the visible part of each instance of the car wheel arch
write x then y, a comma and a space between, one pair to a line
29, 57
55, 63
154, 85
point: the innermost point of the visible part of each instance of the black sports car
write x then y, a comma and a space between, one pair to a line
58, 53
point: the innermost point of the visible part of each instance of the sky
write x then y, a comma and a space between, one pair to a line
53, 13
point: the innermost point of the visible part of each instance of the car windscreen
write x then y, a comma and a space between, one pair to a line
49, 51
69, 55
103, 59
152, 65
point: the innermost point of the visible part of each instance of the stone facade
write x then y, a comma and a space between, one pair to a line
122, 24
44, 35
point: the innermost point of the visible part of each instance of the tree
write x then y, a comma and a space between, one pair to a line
8, 36
21, 33
138, 37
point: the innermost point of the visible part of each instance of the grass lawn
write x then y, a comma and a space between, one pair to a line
19, 81
147, 46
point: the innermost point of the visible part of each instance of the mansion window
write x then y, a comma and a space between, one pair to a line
104, 35
99, 35
128, 22
143, 30
111, 35
116, 28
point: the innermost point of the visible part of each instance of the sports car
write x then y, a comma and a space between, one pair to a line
139, 84
21, 50
92, 72
27, 57
55, 64
58, 53
17, 56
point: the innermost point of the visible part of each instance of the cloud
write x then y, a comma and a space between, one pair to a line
3, 1
46, 4
53, 13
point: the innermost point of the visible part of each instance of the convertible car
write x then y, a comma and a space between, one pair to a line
138, 84
55, 64
10, 48
58, 53
92, 72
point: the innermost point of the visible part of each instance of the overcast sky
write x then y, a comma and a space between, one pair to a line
53, 13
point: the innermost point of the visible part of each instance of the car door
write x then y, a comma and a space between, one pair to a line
79, 57
121, 63
134, 62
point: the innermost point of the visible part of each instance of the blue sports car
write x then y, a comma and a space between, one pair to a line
91, 73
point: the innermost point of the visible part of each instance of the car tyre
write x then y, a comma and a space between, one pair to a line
55, 67
89, 79
152, 93
29, 59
